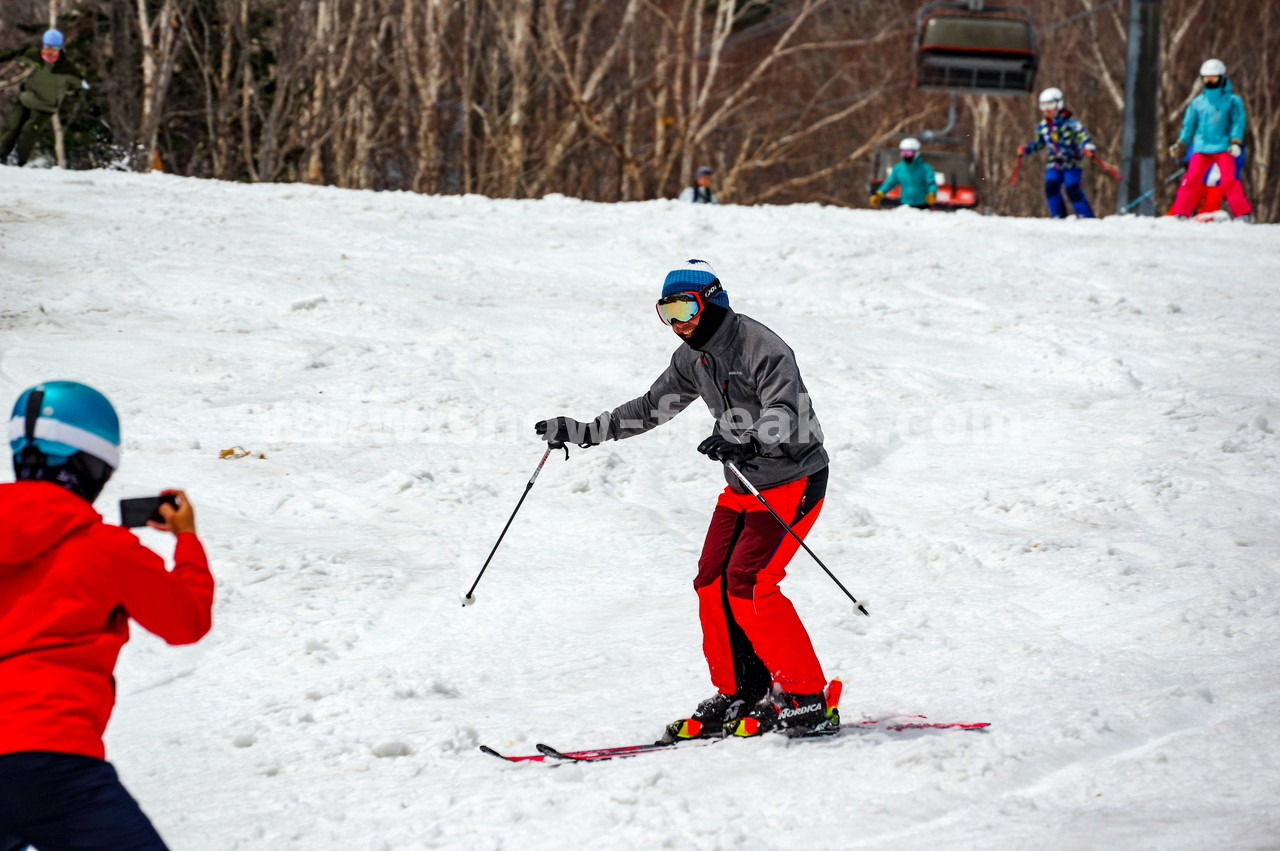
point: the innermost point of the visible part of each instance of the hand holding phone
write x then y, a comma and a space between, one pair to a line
171, 511
139, 511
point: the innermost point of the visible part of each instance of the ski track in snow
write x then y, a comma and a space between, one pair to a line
1054, 482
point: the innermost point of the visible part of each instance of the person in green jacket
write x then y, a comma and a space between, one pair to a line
914, 175
52, 78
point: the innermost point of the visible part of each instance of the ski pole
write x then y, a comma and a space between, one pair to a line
1013, 178
469, 597
1145, 195
858, 608
1102, 164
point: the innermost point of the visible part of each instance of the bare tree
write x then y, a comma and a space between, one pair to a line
787, 99
158, 31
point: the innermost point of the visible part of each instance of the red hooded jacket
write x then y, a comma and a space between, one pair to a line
69, 583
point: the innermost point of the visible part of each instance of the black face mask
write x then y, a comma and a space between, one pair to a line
1215, 85
713, 316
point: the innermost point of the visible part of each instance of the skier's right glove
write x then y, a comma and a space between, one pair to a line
1235, 148
1022, 150
1176, 149
721, 449
875, 199
561, 430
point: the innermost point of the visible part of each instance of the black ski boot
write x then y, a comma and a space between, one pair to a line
790, 714
714, 717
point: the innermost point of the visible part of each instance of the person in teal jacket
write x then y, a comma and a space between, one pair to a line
913, 174
1213, 126
53, 77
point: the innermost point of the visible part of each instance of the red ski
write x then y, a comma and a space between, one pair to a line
892, 723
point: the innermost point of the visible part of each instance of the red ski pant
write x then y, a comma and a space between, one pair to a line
1191, 189
751, 634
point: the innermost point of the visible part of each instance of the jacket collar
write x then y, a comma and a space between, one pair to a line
721, 339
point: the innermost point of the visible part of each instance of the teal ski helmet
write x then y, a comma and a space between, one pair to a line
66, 433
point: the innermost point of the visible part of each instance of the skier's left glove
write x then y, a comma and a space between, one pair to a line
930, 199
1234, 150
561, 430
876, 198
721, 449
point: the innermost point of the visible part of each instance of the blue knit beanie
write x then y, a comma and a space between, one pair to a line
52, 38
693, 275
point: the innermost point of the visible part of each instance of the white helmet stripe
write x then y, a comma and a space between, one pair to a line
60, 432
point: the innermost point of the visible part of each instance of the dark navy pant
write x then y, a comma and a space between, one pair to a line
1055, 181
68, 802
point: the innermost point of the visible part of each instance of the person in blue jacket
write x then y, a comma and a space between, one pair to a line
1067, 143
1213, 126
913, 174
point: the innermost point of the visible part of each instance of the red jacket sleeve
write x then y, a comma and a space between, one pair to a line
175, 605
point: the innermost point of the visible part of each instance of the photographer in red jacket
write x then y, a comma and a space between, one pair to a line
69, 585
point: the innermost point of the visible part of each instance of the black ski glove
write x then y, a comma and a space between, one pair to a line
561, 430
721, 449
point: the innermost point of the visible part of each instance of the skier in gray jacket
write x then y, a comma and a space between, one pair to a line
761, 660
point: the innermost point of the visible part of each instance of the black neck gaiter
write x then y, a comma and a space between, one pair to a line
713, 316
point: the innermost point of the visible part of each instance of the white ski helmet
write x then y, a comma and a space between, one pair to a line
909, 144
1051, 98
1213, 68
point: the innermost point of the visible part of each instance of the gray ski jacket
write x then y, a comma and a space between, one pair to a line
749, 379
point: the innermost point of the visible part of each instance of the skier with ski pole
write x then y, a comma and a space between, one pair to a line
760, 657
1213, 126
1068, 143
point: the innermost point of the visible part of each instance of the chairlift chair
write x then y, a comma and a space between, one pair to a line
970, 47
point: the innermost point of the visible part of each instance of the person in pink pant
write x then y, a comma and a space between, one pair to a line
1213, 126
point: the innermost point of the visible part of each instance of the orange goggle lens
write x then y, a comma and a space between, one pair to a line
679, 307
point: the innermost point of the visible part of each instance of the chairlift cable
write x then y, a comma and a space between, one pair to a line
1086, 13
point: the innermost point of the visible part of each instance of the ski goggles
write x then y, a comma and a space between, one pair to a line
1212, 80
681, 307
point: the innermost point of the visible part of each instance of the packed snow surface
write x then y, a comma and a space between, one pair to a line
1054, 481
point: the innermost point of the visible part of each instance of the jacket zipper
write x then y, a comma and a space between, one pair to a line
710, 363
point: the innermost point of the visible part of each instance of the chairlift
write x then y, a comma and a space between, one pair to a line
974, 48
954, 168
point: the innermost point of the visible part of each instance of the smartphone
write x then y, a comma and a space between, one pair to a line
139, 510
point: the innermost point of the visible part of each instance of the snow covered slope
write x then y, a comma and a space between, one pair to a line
1054, 481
